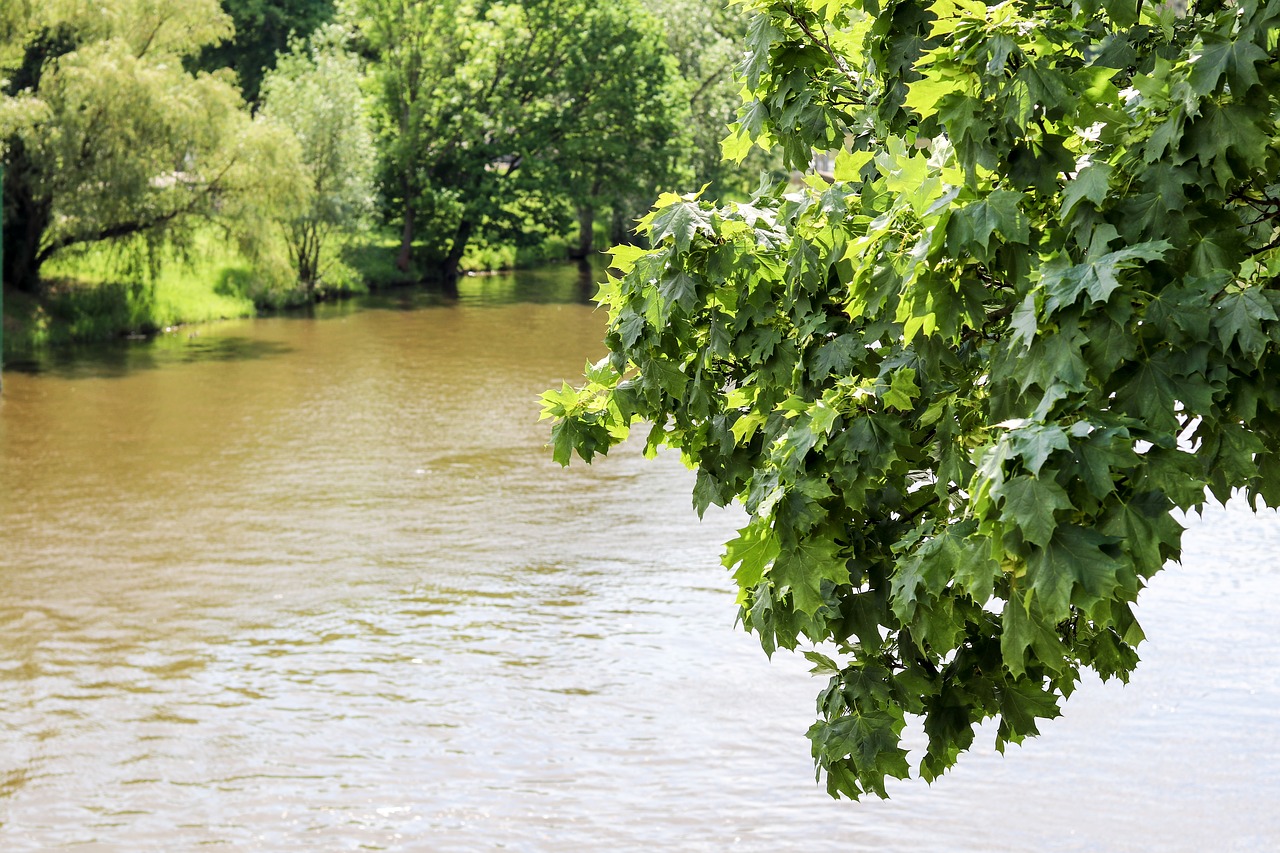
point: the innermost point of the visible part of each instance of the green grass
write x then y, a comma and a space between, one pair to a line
487, 257
98, 294
93, 296
373, 259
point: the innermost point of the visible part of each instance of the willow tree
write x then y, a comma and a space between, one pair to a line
109, 139
964, 390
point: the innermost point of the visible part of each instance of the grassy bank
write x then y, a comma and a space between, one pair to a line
94, 297
99, 295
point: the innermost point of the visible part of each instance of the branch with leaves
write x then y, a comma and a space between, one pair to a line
963, 391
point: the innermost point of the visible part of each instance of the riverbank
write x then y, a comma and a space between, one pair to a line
98, 296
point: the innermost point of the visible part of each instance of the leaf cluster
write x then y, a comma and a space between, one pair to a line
962, 390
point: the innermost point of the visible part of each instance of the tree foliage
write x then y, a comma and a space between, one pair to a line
705, 38
263, 29
633, 138
484, 107
314, 91
107, 138
963, 390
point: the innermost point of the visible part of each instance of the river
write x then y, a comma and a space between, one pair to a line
316, 583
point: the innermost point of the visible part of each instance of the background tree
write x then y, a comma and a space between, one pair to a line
119, 142
315, 92
706, 39
634, 138
263, 29
963, 390
481, 104
413, 50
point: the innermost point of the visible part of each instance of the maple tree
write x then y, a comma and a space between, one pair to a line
962, 390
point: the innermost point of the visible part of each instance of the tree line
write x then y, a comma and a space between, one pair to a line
289, 126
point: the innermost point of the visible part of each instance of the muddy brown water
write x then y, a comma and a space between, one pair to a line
315, 583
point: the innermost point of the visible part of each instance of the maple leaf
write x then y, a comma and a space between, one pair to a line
1073, 564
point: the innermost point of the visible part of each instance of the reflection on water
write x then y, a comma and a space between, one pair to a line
314, 583
120, 358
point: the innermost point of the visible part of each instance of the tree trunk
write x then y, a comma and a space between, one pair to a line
586, 233
302, 251
26, 217
588, 284
26, 220
405, 258
21, 267
619, 234
459, 247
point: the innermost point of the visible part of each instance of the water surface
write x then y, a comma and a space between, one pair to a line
315, 583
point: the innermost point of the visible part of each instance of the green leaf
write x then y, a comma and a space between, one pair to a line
1030, 503
821, 663
665, 375
707, 491
1054, 360
1123, 12
848, 165
737, 145
1099, 277
1239, 317
746, 425
752, 551
1073, 565
1222, 136
1024, 629
1089, 183
924, 95
1236, 58
803, 567
1035, 442
838, 355
625, 257
998, 213
1153, 391
1023, 323
1150, 534
976, 570
679, 289
680, 222
822, 418
1021, 703
903, 390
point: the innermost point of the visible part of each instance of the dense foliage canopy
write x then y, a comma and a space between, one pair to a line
489, 110
264, 29
964, 390
107, 137
138, 123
